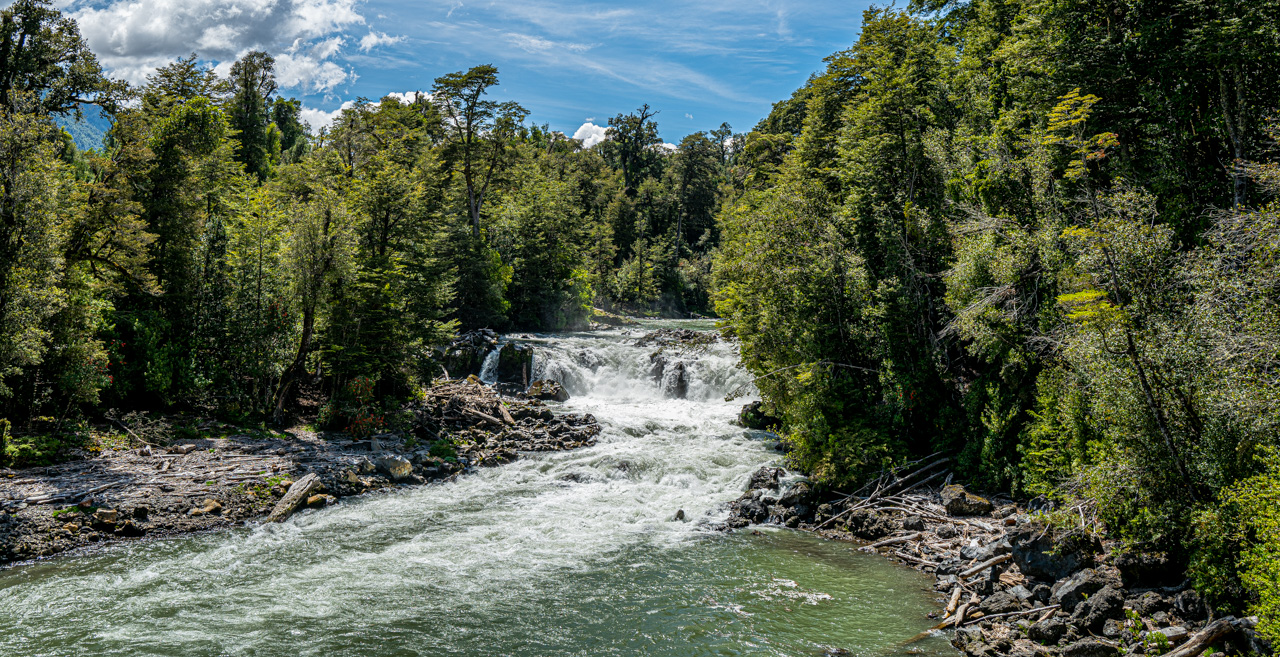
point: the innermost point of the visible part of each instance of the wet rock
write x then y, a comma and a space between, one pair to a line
1045, 554
675, 381
1071, 591
141, 512
588, 360
129, 530
752, 416
677, 337
1002, 602
765, 478
317, 501
547, 390
680, 514
210, 507
796, 494
960, 502
465, 355
352, 477
107, 516
515, 363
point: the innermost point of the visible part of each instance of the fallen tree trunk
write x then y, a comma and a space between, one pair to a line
1202, 640
297, 494
890, 541
986, 564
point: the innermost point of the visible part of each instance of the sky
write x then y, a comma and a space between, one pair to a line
572, 63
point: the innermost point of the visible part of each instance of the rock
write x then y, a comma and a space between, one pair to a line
765, 478
129, 530
945, 531
1047, 632
107, 516
1149, 603
317, 501
396, 468
796, 494
960, 502
547, 390
298, 492
588, 360
515, 364
1021, 592
1045, 554
1002, 602
913, 523
675, 381
141, 512
1140, 570
352, 477
1189, 605
680, 514
975, 551
1071, 591
1089, 647
1005, 511
182, 449
1112, 629
1094, 612
752, 416
1175, 635
210, 507
365, 466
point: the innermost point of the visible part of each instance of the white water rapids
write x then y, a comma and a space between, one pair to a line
566, 553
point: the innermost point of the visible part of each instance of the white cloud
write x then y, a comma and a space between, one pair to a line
321, 119
590, 134
374, 39
408, 97
688, 116
534, 44
133, 37
665, 147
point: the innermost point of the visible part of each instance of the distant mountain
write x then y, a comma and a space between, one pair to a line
89, 131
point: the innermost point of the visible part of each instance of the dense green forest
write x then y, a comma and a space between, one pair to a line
1038, 235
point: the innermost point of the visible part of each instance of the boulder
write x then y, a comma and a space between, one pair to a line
1002, 602
1149, 603
547, 390
1045, 554
129, 529
960, 502
1047, 632
765, 478
515, 364
210, 507
365, 466
107, 516
1072, 590
1141, 570
753, 416
1094, 612
1175, 635
913, 523
1190, 606
393, 466
1090, 647
675, 381
796, 494
945, 531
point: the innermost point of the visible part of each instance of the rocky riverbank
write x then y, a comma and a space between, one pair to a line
1008, 584
211, 483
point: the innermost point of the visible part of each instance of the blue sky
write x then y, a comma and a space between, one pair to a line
569, 62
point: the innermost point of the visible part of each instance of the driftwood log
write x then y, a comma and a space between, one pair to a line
1202, 640
297, 494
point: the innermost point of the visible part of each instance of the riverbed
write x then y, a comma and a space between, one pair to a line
562, 553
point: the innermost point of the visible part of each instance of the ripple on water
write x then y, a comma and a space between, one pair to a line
573, 553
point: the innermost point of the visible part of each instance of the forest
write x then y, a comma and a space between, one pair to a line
1038, 235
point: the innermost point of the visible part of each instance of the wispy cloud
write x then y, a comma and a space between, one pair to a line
374, 39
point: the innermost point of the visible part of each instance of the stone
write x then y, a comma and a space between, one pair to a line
1112, 629
515, 363
765, 478
1175, 635
352, 477
1094, 612
1002, 602
317, 501
1149, 603
680, 514
1045, 554
107, 516
210, 507
1189, 605
141, 512
945, 531
1090, 647
675, 381
1020, 592
753, 416
365, 466
1047, 632
913, 523
975, 551
960, 502
796, 494
182, 449
1140, 570
547, 390
1071, 591
129, 530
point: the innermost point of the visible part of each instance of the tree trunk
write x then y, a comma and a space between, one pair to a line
299, 363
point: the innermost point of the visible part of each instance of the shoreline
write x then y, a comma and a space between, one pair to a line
1008, 585
210, 484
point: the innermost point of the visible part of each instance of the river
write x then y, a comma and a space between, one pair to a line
568, 553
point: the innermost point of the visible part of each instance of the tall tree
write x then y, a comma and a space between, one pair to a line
253, 82
631, 136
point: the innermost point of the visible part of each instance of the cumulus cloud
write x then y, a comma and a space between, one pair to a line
408, 97
318, 119
133, 37
374, 39
590, 134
